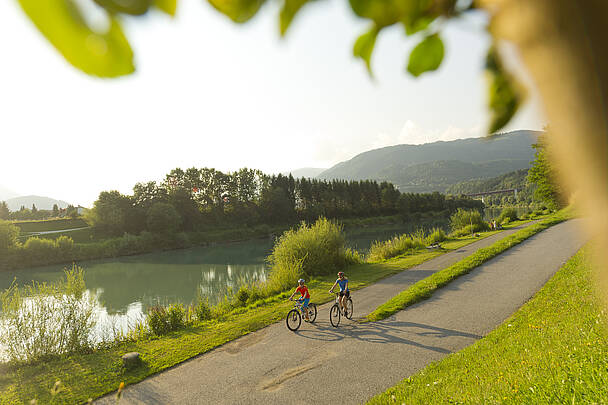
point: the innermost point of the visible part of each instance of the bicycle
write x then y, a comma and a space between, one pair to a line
294, 316
335, 312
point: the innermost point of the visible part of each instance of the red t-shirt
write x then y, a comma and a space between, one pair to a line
304, 291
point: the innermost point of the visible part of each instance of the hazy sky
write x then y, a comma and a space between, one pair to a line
210, 93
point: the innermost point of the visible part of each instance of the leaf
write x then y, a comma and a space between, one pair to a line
167, 6
418, 15
288, 12
239, 11
364, 46
381, 12
426, 56
133, 7
60, 21
505, 94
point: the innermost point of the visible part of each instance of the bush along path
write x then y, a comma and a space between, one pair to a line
425, 287
274, 365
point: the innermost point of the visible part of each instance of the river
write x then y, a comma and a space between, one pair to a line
126, 286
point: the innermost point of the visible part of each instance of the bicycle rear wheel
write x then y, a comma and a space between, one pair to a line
334, 315
349, 308
293, 320
312, 312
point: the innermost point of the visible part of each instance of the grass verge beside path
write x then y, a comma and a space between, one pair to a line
423, 289
94, 374
553, 350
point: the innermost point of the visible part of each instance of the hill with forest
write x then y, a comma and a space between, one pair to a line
42, 203
516, 179
439, 165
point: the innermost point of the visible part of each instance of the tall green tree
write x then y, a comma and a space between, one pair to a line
543, 175
4, 211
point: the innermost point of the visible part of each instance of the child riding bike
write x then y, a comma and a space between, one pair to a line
305, 297
342, 281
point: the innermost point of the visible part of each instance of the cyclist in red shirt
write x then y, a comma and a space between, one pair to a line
305, 297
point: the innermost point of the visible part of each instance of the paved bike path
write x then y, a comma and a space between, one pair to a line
357, 361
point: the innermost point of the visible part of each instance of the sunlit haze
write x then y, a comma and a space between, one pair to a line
209, 93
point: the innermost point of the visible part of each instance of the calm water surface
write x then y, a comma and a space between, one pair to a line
125, 287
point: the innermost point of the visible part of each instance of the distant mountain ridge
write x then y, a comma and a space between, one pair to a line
308, 172
436, 166
42, 203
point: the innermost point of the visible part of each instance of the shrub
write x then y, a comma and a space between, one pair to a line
507, 215
394, 247
9, 235
470, 220
176, 316
40, 249
310, 250
436, 235
242, 296
158, 320
202, 309
41, 320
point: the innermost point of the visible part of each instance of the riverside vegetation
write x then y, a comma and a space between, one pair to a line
199, 206
182, 331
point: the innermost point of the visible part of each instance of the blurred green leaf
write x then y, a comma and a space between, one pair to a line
364, 46
381, 12
60, 21
133, 7
426, 56
418, 15
238, 11
167, 6
505, 94
289, 10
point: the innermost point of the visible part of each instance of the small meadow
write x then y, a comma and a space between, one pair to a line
554, 350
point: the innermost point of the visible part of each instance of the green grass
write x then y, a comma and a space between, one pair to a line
49, 225
94, 374
553, 350
424, 288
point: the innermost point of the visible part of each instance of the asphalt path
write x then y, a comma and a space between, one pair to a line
321, 364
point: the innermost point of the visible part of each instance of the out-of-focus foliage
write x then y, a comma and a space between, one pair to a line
426, 56
105, 54
505, 94
108, 53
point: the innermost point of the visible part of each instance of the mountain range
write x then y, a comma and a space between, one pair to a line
438, 165
42, 203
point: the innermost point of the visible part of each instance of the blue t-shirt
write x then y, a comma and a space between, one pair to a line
342, 284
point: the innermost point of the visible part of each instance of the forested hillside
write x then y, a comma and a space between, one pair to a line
516, 179
436, 166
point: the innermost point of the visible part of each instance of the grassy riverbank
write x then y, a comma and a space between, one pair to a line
93, 374
553, 350
425, 288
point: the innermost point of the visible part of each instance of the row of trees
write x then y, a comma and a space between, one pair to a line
24, 214
207, 198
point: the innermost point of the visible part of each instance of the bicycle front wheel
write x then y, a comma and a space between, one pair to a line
334, 316
293, 320
312, 312
349, 308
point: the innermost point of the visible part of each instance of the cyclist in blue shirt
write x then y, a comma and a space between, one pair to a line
342, 281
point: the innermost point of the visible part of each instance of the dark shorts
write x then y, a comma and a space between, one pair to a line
347, 293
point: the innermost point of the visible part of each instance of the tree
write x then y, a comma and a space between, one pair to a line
9, 235
110, 212
34, 209
163, 219
4, 211
55, 210
543, 174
